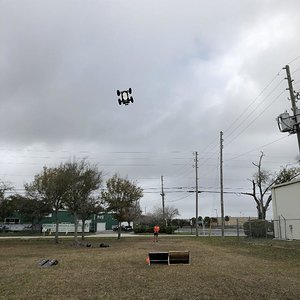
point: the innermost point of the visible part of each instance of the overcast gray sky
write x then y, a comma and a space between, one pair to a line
195, 68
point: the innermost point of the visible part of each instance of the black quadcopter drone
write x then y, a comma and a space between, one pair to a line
125, 97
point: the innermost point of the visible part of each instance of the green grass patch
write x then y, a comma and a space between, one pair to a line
244, 269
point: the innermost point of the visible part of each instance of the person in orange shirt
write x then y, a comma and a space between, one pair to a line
156, 231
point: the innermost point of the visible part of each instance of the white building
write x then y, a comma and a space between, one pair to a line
286, 210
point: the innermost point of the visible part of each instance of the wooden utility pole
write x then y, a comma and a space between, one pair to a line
293, 101
163, 199
197, 198
221, 182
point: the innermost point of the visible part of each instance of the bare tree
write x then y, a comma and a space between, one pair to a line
263, 180
170, 214
133, 212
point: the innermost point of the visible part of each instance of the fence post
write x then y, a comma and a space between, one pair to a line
285, 227
237, 228
250, 229
279, 224
266, 228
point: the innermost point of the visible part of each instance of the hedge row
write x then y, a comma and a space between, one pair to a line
259, 228
149, 229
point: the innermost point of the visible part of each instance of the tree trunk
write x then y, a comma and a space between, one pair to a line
261, 210
82, 229
76, 229
32, 224
264, 212
119, 231
57, 224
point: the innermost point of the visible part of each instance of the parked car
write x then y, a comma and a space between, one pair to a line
123, 228
3, 228
128, 228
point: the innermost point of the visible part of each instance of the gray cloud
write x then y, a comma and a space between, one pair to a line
194, 68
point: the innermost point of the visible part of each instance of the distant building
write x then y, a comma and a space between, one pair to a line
96, 223
286, 210
233, 221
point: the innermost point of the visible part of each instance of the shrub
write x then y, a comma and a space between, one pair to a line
140, 229
170, 229
149, 229
259, 228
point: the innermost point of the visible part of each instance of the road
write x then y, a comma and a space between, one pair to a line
110, 233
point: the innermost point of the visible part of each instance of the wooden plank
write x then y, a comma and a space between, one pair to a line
158, 258
179, 257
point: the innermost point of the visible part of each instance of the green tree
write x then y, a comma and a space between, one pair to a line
262, 182
120, 196
91, 206
227, 218
83, 180
6, 206
52, 186
193, 221
31, 208
206, 221
286, 174
181, 222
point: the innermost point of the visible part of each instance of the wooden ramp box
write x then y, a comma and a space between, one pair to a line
179, 257
169, 258
159, 258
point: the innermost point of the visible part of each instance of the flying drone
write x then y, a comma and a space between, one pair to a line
125, 97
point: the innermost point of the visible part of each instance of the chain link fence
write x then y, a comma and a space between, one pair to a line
214, 229
284, 229
287, 229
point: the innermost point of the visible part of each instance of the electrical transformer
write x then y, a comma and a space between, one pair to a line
286, 122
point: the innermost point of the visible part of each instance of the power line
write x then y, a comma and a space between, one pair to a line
258, 105
249, 115
257, 97
214, 142
179, 199
293, 60
257, 148
295, 71
249, 124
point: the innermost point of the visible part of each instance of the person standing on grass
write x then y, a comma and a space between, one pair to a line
156, 231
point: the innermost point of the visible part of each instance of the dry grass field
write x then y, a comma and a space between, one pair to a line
219, 269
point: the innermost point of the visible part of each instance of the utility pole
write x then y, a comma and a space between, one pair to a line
196, 168
163, 198
293, 100
221, 182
